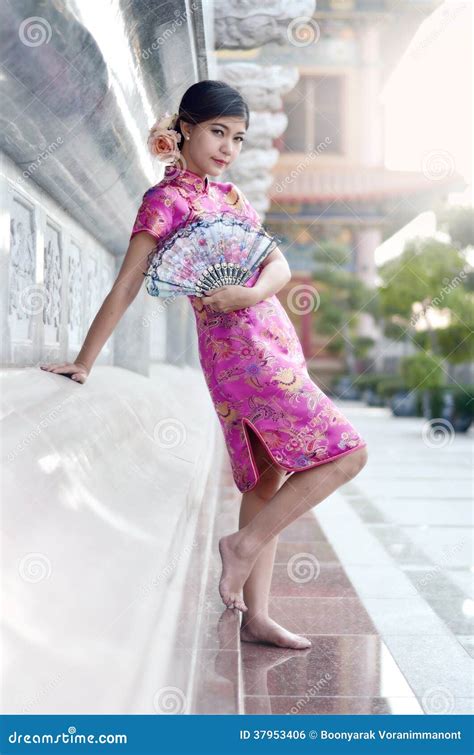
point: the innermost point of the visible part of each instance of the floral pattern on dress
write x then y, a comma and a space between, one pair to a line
251, 358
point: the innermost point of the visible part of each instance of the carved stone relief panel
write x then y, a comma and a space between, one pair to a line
53, 280
92, 289
23, 295
74, 297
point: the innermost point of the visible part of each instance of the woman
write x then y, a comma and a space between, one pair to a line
275, 420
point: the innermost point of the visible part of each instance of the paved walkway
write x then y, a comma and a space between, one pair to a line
378, 575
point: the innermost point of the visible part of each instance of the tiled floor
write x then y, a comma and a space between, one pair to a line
407, 547
387, 605
348, 669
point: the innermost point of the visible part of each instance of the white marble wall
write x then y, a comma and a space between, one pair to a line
54, 276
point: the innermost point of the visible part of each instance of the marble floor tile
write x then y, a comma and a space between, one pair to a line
302, 529
319, 548
331, 706
335, 666
467, 642
217, 683
457, 614
436, 582
437, 669
463, 579
338, 616
398, 544
304, 576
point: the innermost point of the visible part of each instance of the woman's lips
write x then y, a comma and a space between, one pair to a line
219, 162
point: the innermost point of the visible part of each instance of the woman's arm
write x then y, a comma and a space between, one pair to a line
275, 273
115, 304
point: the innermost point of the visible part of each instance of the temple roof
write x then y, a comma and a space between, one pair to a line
357, 182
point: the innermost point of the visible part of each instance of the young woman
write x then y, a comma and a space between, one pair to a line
275, 420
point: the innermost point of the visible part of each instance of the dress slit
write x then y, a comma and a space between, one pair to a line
288, 470
245, 422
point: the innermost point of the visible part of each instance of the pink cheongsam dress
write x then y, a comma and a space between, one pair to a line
251, 358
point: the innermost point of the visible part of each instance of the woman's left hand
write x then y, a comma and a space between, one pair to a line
230, 298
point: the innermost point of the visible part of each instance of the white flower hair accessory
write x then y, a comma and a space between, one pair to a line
163, 139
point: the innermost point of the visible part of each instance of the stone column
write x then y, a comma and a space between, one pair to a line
262, 87
367, 240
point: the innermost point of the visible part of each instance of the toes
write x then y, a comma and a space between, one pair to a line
227, 600
236, 602
303, 642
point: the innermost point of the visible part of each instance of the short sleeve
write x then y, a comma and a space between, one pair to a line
154, 214
249, 211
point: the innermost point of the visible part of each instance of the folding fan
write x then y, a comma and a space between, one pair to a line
206, 254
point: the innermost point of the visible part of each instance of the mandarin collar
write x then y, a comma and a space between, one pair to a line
187, 177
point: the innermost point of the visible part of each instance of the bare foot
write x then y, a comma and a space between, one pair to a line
235, 570
268, 632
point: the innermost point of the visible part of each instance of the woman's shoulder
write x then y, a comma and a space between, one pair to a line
235, 198
226, 187
160, 211
159, 191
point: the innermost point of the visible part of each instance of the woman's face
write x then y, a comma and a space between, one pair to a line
213, 145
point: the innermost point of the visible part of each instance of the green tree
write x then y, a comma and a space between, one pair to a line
458, 222
429, 276
342, 297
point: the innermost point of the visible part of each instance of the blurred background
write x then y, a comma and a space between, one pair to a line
358, 156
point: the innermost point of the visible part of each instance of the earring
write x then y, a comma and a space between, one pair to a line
187, 137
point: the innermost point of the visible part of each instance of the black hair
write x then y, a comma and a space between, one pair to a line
208, 99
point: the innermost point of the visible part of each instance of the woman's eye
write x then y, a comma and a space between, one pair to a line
221, 133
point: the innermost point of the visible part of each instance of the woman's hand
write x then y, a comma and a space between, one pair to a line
230, 298
75, 370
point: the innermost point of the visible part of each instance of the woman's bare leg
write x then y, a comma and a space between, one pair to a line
257, 626
240, 550
257, 586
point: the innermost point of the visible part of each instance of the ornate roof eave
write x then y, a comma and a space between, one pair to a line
360, 183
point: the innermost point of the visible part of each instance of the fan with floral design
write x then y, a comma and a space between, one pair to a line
207, 254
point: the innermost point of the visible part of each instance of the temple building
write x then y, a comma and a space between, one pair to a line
324, 177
